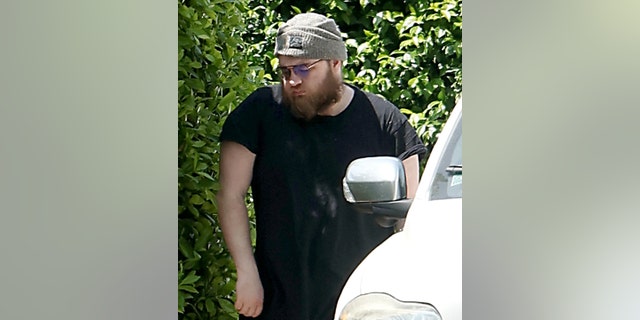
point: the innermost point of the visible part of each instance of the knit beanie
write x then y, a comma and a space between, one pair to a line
310, 36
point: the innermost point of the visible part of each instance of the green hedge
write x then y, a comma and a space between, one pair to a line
213, 76
407, 51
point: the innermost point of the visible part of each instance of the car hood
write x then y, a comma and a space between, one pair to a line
422, 263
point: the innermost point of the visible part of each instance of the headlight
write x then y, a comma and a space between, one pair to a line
381, 306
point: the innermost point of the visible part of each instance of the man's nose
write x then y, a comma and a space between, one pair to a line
294, 79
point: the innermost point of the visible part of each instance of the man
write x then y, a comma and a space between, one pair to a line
291, 143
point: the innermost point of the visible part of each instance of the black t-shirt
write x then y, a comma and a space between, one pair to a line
309, 239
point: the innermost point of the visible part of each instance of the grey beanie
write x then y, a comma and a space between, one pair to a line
310, 36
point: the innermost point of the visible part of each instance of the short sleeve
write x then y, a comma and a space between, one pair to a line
406, 140
243, 123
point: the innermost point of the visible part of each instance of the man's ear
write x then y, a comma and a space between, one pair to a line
336, 64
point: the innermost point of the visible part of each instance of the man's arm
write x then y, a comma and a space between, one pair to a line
236, 168
412, 174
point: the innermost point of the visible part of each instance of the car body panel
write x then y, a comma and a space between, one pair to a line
422, 263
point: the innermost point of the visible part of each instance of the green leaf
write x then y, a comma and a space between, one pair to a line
413, 82
446, 14
211, 308
185, 248
351, 43
406, 111
406, 43
206, 175
341, 5
195, 84
202, 241
369, 34
193, 210
408, 23
228, 287
226, 306
201, 33
216, 55
185, 11
416, 41
433, 104
202, 166
363, 47
180, 302
198, 144
191, 278
196, 199
227, 99
187, 288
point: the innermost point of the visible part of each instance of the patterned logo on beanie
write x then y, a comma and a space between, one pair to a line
295, 42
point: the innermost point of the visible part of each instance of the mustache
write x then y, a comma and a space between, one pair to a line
308, 106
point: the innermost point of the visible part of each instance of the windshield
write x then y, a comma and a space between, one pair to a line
448, 180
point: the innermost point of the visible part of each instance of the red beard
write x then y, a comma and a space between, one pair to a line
308, 106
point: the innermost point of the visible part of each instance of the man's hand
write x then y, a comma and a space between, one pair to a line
249, 294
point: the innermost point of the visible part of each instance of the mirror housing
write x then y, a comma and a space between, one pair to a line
374, 179
377, 185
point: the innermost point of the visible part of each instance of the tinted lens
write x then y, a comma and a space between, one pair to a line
301, 70
286, 72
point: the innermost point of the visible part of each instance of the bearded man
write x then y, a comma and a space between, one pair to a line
291, 143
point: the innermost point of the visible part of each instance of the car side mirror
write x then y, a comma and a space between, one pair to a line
377, 185
374, 179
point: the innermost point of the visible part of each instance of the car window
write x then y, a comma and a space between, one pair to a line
448, 180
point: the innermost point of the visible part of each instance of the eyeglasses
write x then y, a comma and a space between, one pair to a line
301, 70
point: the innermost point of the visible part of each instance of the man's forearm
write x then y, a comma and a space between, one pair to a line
412, 172
234, 221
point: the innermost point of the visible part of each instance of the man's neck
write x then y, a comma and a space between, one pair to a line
336, 108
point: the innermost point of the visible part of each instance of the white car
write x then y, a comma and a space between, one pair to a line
417, 272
